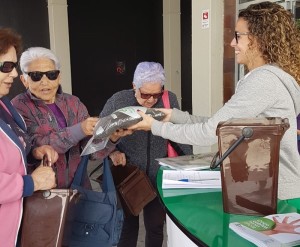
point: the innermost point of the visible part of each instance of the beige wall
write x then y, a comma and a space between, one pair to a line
207, 55
172, 46
207, 59
59, 39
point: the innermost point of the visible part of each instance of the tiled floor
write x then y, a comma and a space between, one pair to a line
141, 238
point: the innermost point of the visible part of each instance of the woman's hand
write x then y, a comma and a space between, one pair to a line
167, 112
114, 137
47, 150
145, 124
284, 226
43, 178
118, 158
88, 125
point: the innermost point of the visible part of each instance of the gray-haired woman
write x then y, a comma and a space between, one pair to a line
142, 148
54, 117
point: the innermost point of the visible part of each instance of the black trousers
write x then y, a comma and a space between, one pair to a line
154, 219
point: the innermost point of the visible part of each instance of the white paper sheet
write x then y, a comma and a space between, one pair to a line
195, 179
188, 162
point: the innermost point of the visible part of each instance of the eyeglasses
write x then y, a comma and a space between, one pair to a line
38, 75
7, 67
148, 96
237, 35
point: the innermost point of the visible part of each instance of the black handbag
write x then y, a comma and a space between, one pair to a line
93, 217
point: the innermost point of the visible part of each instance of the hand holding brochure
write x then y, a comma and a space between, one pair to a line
188, 162
191, 179
272, 230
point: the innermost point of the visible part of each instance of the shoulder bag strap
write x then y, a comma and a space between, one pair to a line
80, 172
166, 102
107, 185
108, 182
165, 99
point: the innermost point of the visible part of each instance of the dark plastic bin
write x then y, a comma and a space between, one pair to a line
250, 172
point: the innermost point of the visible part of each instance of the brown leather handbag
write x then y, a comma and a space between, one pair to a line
44, 218
249, 158
134, 188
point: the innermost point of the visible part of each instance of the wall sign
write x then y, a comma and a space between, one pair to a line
205, 19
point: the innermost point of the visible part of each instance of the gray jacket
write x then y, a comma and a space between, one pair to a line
266, 91
142, 148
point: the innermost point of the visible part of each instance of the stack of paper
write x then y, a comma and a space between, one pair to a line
188, 191
191, 179
188, 162
274, 230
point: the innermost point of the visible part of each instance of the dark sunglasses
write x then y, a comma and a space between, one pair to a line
148, 96
7, 67
237, 36
38, 75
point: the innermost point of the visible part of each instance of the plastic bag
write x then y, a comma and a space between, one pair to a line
119, 119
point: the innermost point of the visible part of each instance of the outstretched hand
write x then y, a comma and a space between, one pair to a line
88, 125
284, 226
145, 124
114, 137
167, 113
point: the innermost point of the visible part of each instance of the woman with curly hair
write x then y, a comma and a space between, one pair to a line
267, 42
272, 31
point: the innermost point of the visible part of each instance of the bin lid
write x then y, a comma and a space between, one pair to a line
254, 121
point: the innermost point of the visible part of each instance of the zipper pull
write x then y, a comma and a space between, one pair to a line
49, 116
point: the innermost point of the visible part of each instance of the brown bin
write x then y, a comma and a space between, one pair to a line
250, 172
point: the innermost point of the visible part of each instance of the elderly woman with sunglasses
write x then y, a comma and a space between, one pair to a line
267, 42
53, 117
142, 148
16, 149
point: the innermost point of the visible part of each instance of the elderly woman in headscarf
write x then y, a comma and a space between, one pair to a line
142, 148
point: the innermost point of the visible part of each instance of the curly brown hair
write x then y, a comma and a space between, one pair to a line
8, 38
276, 34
